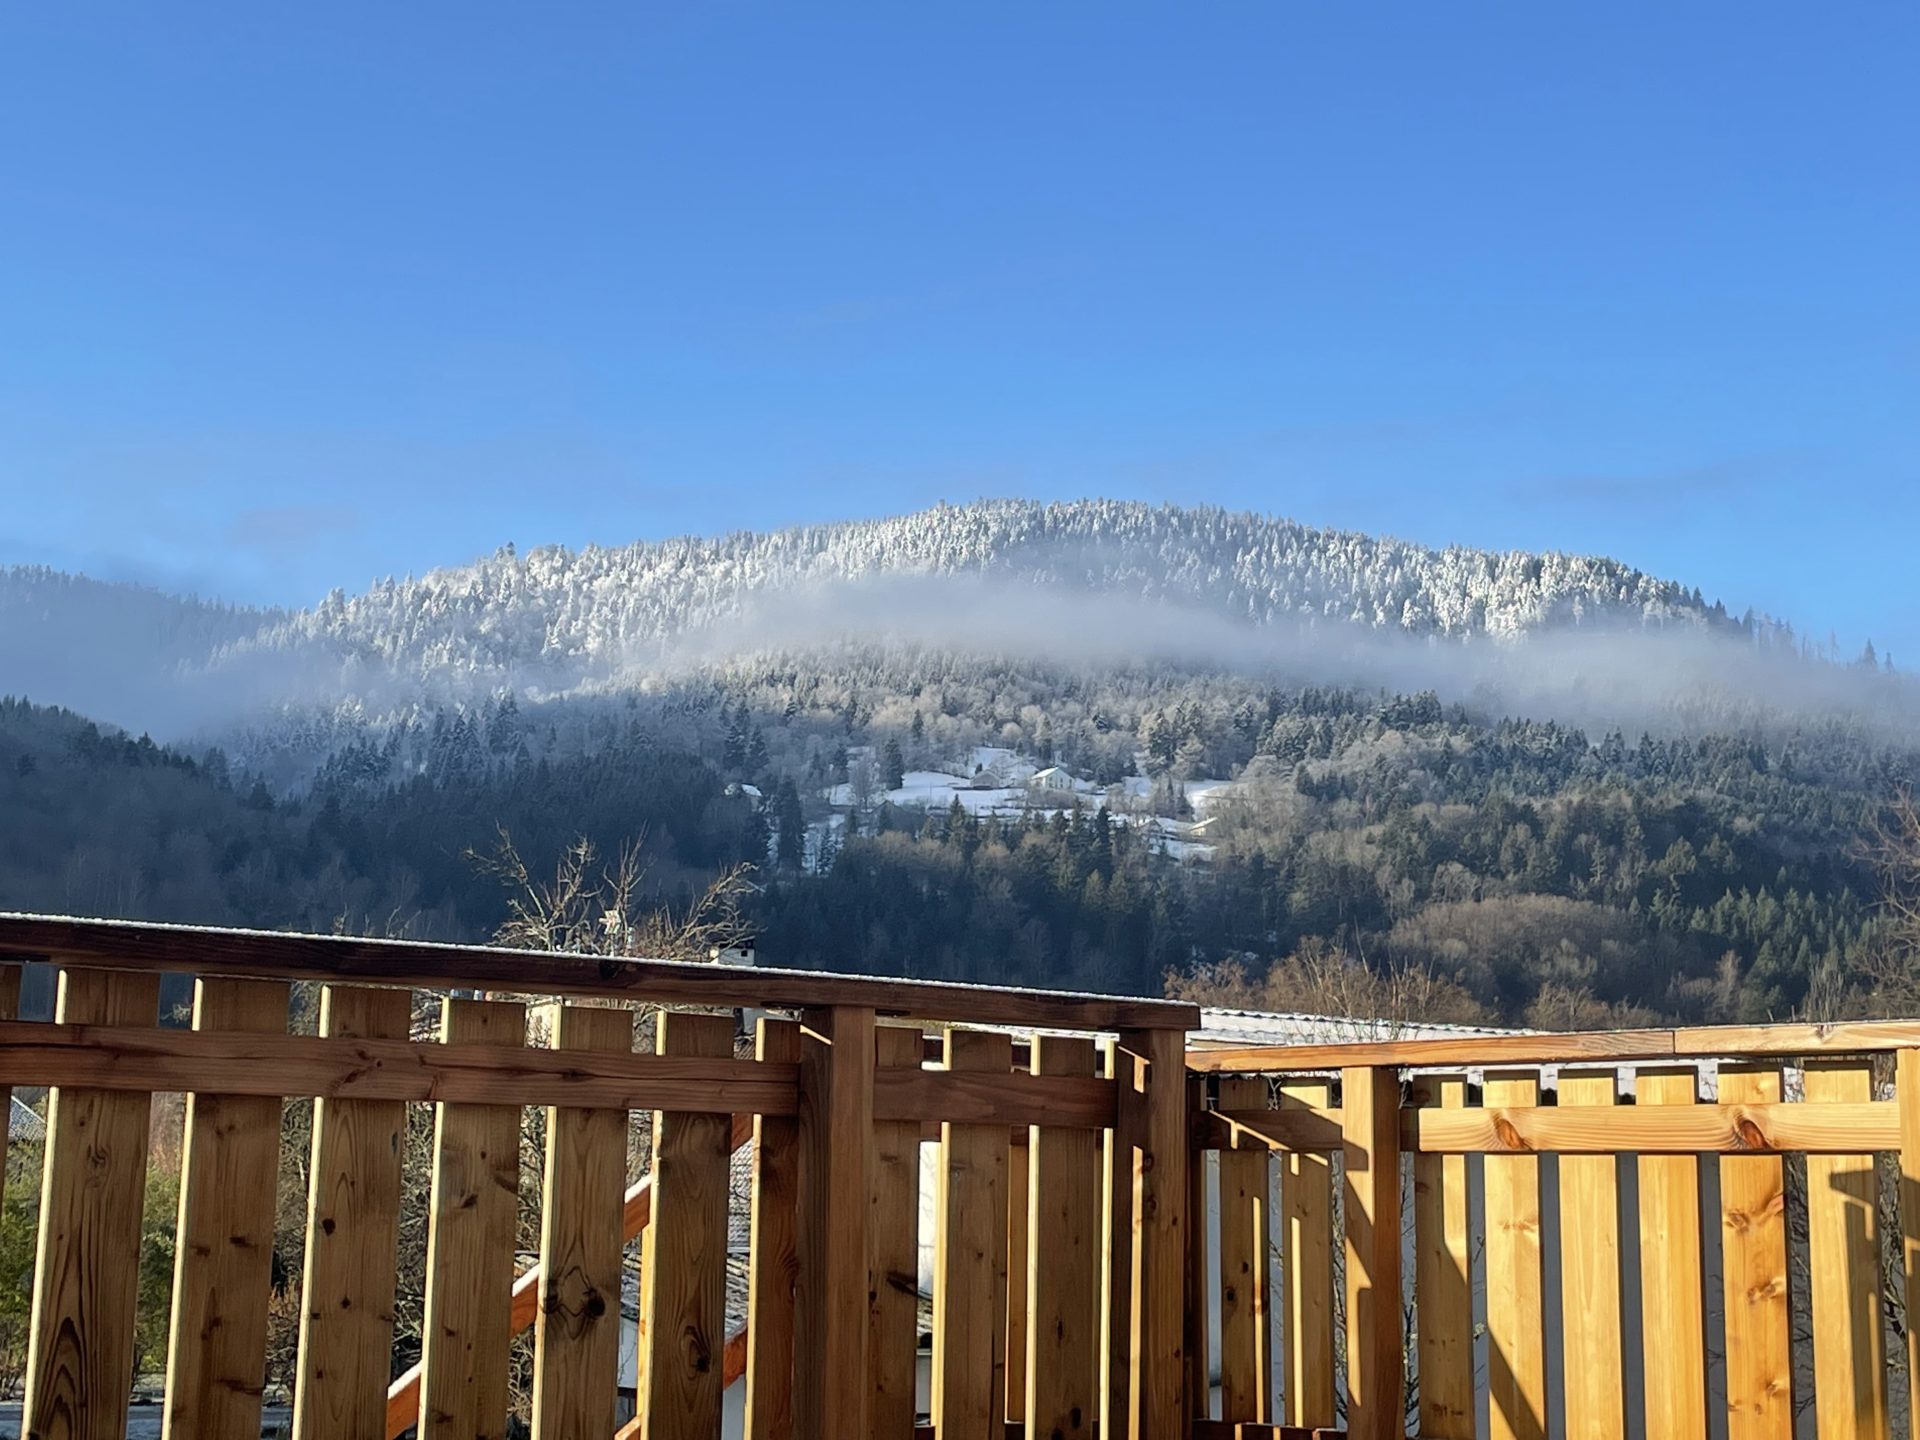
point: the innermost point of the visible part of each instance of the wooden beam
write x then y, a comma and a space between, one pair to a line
1157, 1364
126, 945
893, 1331
1443, 1287
1516, 1332
831, 1385
1753, 1247
773, 1261
1673, 1328
970, 1260
1246, 1353
1306, 1268
1060, 1207
1843, 1266
1590, 1272
1812, 1128
1376, 1353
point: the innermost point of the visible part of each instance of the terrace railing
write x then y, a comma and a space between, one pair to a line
1058, 1232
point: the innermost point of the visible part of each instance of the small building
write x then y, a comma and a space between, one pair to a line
1052, 778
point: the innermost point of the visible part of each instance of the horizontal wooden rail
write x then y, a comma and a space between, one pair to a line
1704, 1042
124, 945
1814, 1128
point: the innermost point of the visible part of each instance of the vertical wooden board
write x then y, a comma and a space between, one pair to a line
223, 1246
473, 1217
1516, 1344
80, 1344
1306, 1271
353, 1231
1063, 1252
1199, 1300
1907, 1097
1018, 1217
576, 1345
1843, 1255
1246, 1355
1119, 1147
893, 1286
1158, 1363
9, 1009
1753, 1244
1370, 1163
1673, 1323
1443, 1288
773, 1265
970, 1258
1591, 1358
832, 1390
683, 1275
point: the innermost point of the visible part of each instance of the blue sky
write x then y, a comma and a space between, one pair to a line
293, 297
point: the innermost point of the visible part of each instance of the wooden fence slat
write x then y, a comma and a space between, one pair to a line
467, 1333
1590, 1274
1060, 1207
1118, 1149
576, 1355
9, 1009
1673, 1323
353, 1230
1157, 1367
894, 1286
1015, 1331
1843, 1257
1199, 1299
1516, 1350
773, 1263
1753, 1245
683, 1271
80, 1341
1809, 1128
1907, 1096
832, 1390
1306, 1271
970, 1258
1370, 1169
1443, 1292
223, 1249
1246, 1353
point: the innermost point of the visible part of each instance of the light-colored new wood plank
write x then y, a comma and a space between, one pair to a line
1673, 1323
1306, 1269
80, 1344
1157, 1366
970, 1260
1246, 1354
576, 1354
1907, 1096
1753, 1247
353, 1224
683, 1272
1591, 1356
1370, 1167
1442, 1288
1119, 1155
1014, 1367
1516, 1355
1199, 1300
1062, 1370
1653, 1130
467, 1333
773, 1266
1843, 1262
832, 1389
893, 1330
223, 1247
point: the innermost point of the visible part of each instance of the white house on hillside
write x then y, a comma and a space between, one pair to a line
1051, 778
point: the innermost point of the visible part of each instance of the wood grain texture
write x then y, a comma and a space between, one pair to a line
1370, 1162
1442, 1290
1306, 1268
467, 1332
1060, 1209
1516, 1354
773, 1266
80, 1342
1246, 1347
1014, 1365
832, 1390
1672, 1315
9, 1009
1753, 1247
1907, 1096
193, 950
970, 1260
1694, 1129
1590, 1272
223, 1245
353, 1223
1200, 1275
577, 1331
1843, 1263
1158, 1362
683, 1272
1119, 1153
893, 1284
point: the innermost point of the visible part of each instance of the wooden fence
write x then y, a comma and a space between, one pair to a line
1673, 1233
1083, 1328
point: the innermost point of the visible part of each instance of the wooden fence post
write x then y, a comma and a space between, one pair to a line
1157, 1362
835, 1195
1376, 1358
